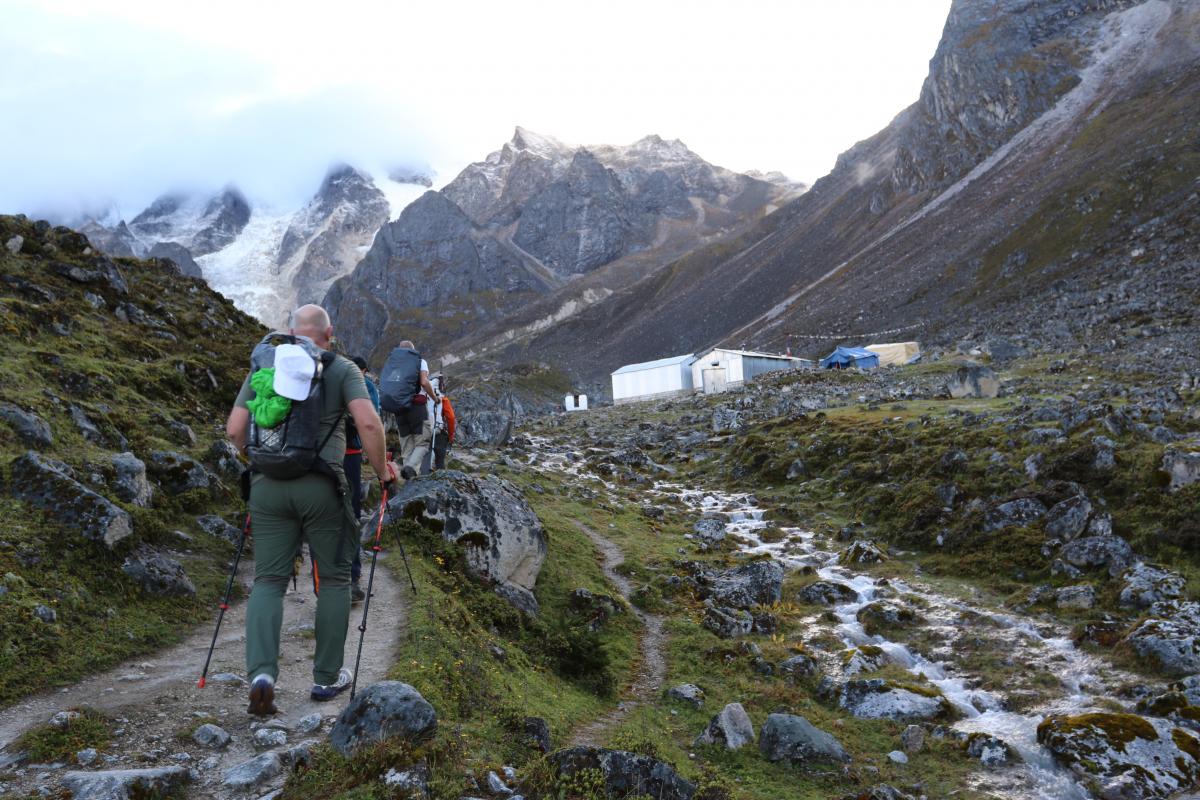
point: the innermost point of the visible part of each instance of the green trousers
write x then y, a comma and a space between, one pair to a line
281, 514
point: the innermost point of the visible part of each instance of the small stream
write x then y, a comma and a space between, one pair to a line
1035, 774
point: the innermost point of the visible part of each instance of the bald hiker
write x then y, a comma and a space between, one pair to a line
288, 420
405, 391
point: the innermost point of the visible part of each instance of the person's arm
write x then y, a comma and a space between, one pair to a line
238, 424
427, 386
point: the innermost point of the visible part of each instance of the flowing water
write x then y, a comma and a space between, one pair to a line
1035, 775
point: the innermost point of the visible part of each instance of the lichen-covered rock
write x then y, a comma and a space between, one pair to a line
861, 552
503, 537
990, 751
210, 735
688, 693
881, 616
216, 526
1020, 512
385, 710
47, 484
788, 737
125, 784
759, 583
1182, 463
1094, 552
130, 483
624, 774
1081, 596
223, 457
1143, 585
866, 658
157, 574
730, 727
29, 427
710, 530
1169, 638
1125, 756
799, 666
827, 593
177, 473
252, 773
1068, 519
876, 698
973, 380
730, 623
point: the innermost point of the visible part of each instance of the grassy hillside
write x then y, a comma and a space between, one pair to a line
153, 368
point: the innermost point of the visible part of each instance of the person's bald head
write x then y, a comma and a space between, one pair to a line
408, 344
313, 321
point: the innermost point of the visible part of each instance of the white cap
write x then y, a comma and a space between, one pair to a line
294, 370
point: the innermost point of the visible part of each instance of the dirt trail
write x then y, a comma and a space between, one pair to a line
652, 664
155, 697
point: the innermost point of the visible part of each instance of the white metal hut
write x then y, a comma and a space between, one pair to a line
719, 368
575, 402
649, 380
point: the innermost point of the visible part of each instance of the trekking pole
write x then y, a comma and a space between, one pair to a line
225, 603
362, 626
404, 557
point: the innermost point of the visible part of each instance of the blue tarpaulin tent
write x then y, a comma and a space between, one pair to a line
846, 357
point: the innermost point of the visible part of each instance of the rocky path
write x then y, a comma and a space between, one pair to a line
652, 664
156, 703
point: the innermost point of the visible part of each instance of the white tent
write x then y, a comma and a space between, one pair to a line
895, 353
652, 379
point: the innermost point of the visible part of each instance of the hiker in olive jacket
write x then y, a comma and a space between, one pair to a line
315, 506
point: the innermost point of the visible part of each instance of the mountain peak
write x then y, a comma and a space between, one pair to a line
548, 146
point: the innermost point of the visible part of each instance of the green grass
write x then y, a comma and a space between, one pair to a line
46, 744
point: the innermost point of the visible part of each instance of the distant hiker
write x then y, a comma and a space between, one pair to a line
404, 391
288, 419
442, 417
352, 465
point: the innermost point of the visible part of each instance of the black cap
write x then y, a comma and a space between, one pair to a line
360, 362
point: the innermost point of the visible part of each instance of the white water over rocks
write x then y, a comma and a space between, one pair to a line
1036, 776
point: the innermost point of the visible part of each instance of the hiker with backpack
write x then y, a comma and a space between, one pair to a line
441, 416
288, 419
405, 390
352, 465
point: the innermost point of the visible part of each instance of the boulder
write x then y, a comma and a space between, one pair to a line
710, 529
255, 772
1068, 519
787, 737
990, 751
1143, 585
759, 583
157, 574
827, 593
727, 420
46, 484
731, 728
1080, 596
210, 735
881, 616
1124, 756
730, 623
385, 710
1169, 638
266, 738
310, 723
504, 539
799, 666
177, 473
913, 739
410, 783
861, 552
876, 698
1093, 552
624, 774
973, 380
688, 693
216, 526
225, 461
29, 427
87, 428
1020, 512
130, 483
125, 784
866, 658
1182, 463
536, 733
1189, 687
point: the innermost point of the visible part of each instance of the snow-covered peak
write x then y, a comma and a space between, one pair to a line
540, 144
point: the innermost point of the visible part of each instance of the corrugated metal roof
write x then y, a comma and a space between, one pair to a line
662, 362
753, 353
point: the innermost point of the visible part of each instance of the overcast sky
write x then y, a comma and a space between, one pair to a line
124, 99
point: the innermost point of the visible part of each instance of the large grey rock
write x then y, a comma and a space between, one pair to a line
1169, 638
787, 737
710, 529
125, 784
255, 772
688, 693
973, 381
1022, 511
157, 574
1182, 463
84, 424
1081, 596
177, 473
46, 484
625, 774
827, 593
210, 735
799, 666
504, 539
216, 526
130, 483
179, 255
876, 698
1143, 585
1068, 519
759, 583
730, 727
32, 429
1124, 756
266, 738
385, 710
991, 751
1093, 552
223, 457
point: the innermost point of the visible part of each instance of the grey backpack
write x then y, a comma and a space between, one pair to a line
291, 448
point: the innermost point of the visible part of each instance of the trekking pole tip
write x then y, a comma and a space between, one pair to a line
200, 683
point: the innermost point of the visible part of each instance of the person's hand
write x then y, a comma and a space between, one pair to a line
390, 476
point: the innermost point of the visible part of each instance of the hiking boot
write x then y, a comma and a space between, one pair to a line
321, 693
408, 473
357, 595
262, 696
